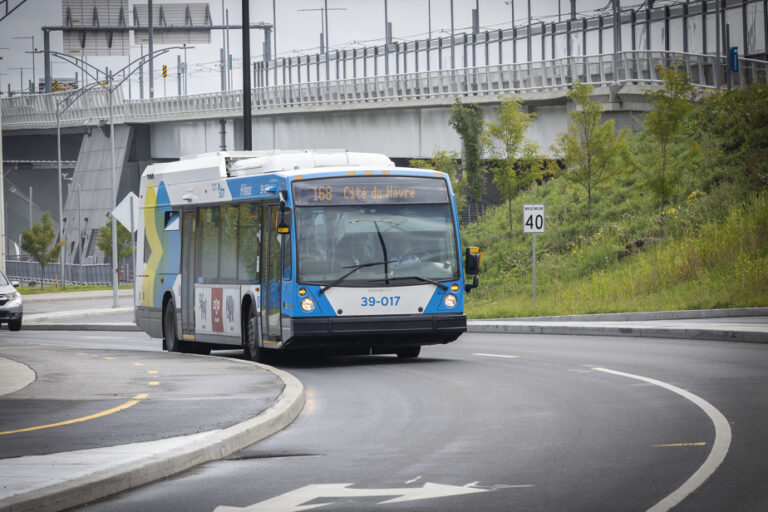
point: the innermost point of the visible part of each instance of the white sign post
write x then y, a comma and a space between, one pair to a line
127, 212
533, 222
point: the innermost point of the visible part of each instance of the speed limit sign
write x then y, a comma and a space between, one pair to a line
533, 218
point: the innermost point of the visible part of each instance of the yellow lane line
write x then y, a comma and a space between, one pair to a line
119, 408
671, 445
153, 383
140, 396
110, 358
138, 364
152, 372
82, 354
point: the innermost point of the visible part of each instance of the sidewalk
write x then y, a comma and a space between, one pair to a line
738, 324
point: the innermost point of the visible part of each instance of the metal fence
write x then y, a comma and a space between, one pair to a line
633, 67
93, 274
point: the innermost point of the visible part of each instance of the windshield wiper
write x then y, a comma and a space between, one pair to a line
422, 279
354, 268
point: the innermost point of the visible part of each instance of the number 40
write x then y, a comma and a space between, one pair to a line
535, 221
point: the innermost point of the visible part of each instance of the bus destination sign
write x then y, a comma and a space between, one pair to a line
369, 190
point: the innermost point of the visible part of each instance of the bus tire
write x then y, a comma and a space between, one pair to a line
171, 342
252, 335
409, 352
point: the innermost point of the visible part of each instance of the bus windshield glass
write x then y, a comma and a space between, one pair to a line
367, 240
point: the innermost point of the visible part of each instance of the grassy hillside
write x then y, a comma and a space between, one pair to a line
681, 224
714, 253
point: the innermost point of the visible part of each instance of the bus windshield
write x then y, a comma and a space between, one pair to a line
376, 244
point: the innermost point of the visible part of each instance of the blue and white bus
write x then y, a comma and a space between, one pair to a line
299, 249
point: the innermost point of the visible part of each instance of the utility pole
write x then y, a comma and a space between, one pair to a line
246, 24
151, 53
2, 196
178, 75
453, 40
387, 37
274, 28
528, 33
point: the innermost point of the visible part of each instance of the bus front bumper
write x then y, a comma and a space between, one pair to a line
366, 331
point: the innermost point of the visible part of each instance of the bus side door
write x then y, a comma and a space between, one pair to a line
271, 275
188, 231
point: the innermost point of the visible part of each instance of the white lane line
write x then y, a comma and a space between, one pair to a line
495, 355
716, 455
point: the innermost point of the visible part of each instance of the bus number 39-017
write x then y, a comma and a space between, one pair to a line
383, 301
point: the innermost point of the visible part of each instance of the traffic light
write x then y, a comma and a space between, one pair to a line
55, 86
165, 71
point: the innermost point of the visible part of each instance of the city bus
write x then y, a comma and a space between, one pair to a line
275, 250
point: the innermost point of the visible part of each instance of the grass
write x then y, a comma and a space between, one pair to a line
34, 290
713, 254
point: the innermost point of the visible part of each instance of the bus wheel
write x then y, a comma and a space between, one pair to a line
169, 328
409, 352
252, 349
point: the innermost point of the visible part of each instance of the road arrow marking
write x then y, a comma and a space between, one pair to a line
293, 501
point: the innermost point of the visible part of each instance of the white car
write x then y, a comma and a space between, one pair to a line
11, 308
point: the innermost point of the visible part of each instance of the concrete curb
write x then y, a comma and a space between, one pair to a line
214, 446
47, 321
112, 326
478, 326
689, 314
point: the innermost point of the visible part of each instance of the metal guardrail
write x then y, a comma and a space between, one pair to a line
634, 67
97, 274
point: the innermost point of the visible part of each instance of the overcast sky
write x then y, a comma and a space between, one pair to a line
360, 24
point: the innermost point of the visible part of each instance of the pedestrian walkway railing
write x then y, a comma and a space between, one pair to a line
632, 67
87, 274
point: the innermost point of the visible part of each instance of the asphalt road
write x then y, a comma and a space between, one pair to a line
494, 423
114, 389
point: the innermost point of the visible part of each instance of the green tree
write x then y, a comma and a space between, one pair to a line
104, 241
37, 242
672, 105
592, 152
447, 162
520, 160
467, 120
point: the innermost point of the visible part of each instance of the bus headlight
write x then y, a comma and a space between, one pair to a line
450, 300
307, 304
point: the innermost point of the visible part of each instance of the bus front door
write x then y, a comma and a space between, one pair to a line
188, 230
271, 277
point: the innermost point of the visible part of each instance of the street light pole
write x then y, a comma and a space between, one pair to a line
246, 24
113, 192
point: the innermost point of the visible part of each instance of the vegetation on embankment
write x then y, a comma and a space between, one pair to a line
682, 225
715, 256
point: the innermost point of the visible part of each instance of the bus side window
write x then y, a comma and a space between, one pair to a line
249, 242
209, 243
228, 244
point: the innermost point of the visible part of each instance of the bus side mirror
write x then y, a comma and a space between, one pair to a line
472, 261
472, 266
284, 219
